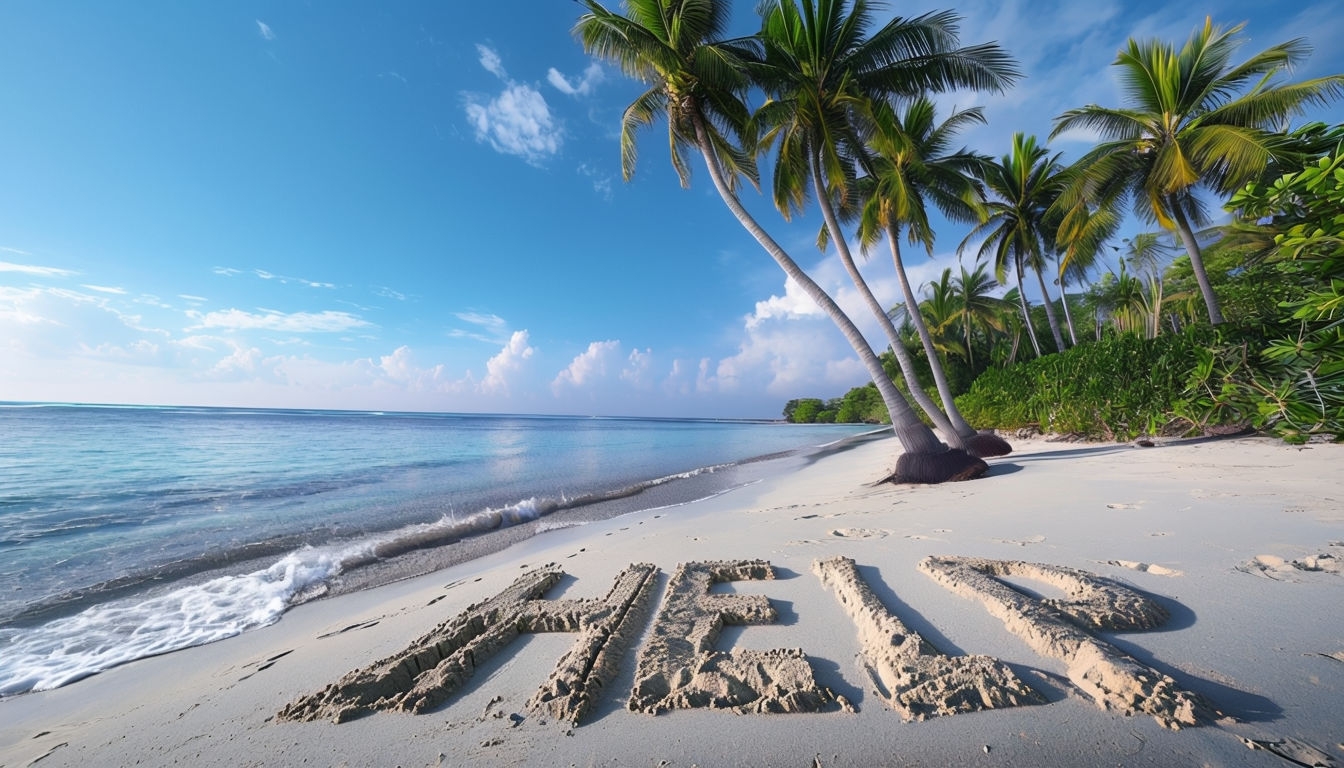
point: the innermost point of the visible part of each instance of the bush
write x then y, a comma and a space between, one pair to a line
1117, 388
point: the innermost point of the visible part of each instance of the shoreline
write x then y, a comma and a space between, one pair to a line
1237, 539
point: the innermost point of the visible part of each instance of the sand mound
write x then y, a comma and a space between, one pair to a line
679, 668
432, 667
913, 678
1055, 628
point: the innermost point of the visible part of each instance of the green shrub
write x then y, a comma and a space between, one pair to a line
1117, 388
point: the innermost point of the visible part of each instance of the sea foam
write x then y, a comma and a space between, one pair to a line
74, 647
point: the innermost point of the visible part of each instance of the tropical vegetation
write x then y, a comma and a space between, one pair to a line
1242, 329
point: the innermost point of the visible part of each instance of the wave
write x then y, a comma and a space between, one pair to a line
103, 636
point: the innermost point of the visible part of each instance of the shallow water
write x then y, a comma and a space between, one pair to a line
129, 531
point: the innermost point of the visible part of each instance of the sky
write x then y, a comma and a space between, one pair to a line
418, 206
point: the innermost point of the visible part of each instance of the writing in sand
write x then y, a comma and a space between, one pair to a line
679, 666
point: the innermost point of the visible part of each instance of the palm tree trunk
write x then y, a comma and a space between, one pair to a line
1050, 312
950, 429
925, 459
1068, 316
922, 328
1026, 313
1187, 236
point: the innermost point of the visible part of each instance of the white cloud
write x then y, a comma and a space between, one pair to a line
265, 275
638, 371
517, 121
501, 369
585, 85
587, 367
491, 62
264, 30
105, 289
191, 298
326, 321
30, 269
489, 328
389, 293
602, 182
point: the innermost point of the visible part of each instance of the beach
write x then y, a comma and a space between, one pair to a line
1229, 549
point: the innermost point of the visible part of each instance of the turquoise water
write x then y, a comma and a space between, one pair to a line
128, 531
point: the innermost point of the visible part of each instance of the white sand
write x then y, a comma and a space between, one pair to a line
1237, 541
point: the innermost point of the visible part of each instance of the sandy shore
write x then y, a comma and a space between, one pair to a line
880, 631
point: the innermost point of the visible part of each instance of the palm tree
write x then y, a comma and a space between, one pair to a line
1025, 184
697, 80
909, 167
941, 313
830, 83
1184, 128
978, 307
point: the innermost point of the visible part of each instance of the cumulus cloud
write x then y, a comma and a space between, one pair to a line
503, 368
638, 371
517, 121
588, 366
327, 321
582, 87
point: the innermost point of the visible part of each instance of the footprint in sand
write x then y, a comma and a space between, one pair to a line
1292, 750
265, 664
1156, 570
860, 533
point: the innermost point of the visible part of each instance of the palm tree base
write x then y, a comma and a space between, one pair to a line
986, 444
948, 466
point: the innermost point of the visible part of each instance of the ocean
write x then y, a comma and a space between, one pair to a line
132, 531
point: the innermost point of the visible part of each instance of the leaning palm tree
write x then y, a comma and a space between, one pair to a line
910, 170
1185, 128
1023, 185
697, 80
829, 81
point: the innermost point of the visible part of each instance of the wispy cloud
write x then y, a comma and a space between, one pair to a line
491, 62
268, 275
31, 269
264, 275
602, 182
192, 299
389, 293
582, 87
272, 320
264, 30
489, 328
517, 121
105, 289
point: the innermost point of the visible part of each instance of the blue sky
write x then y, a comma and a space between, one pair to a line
418, 206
